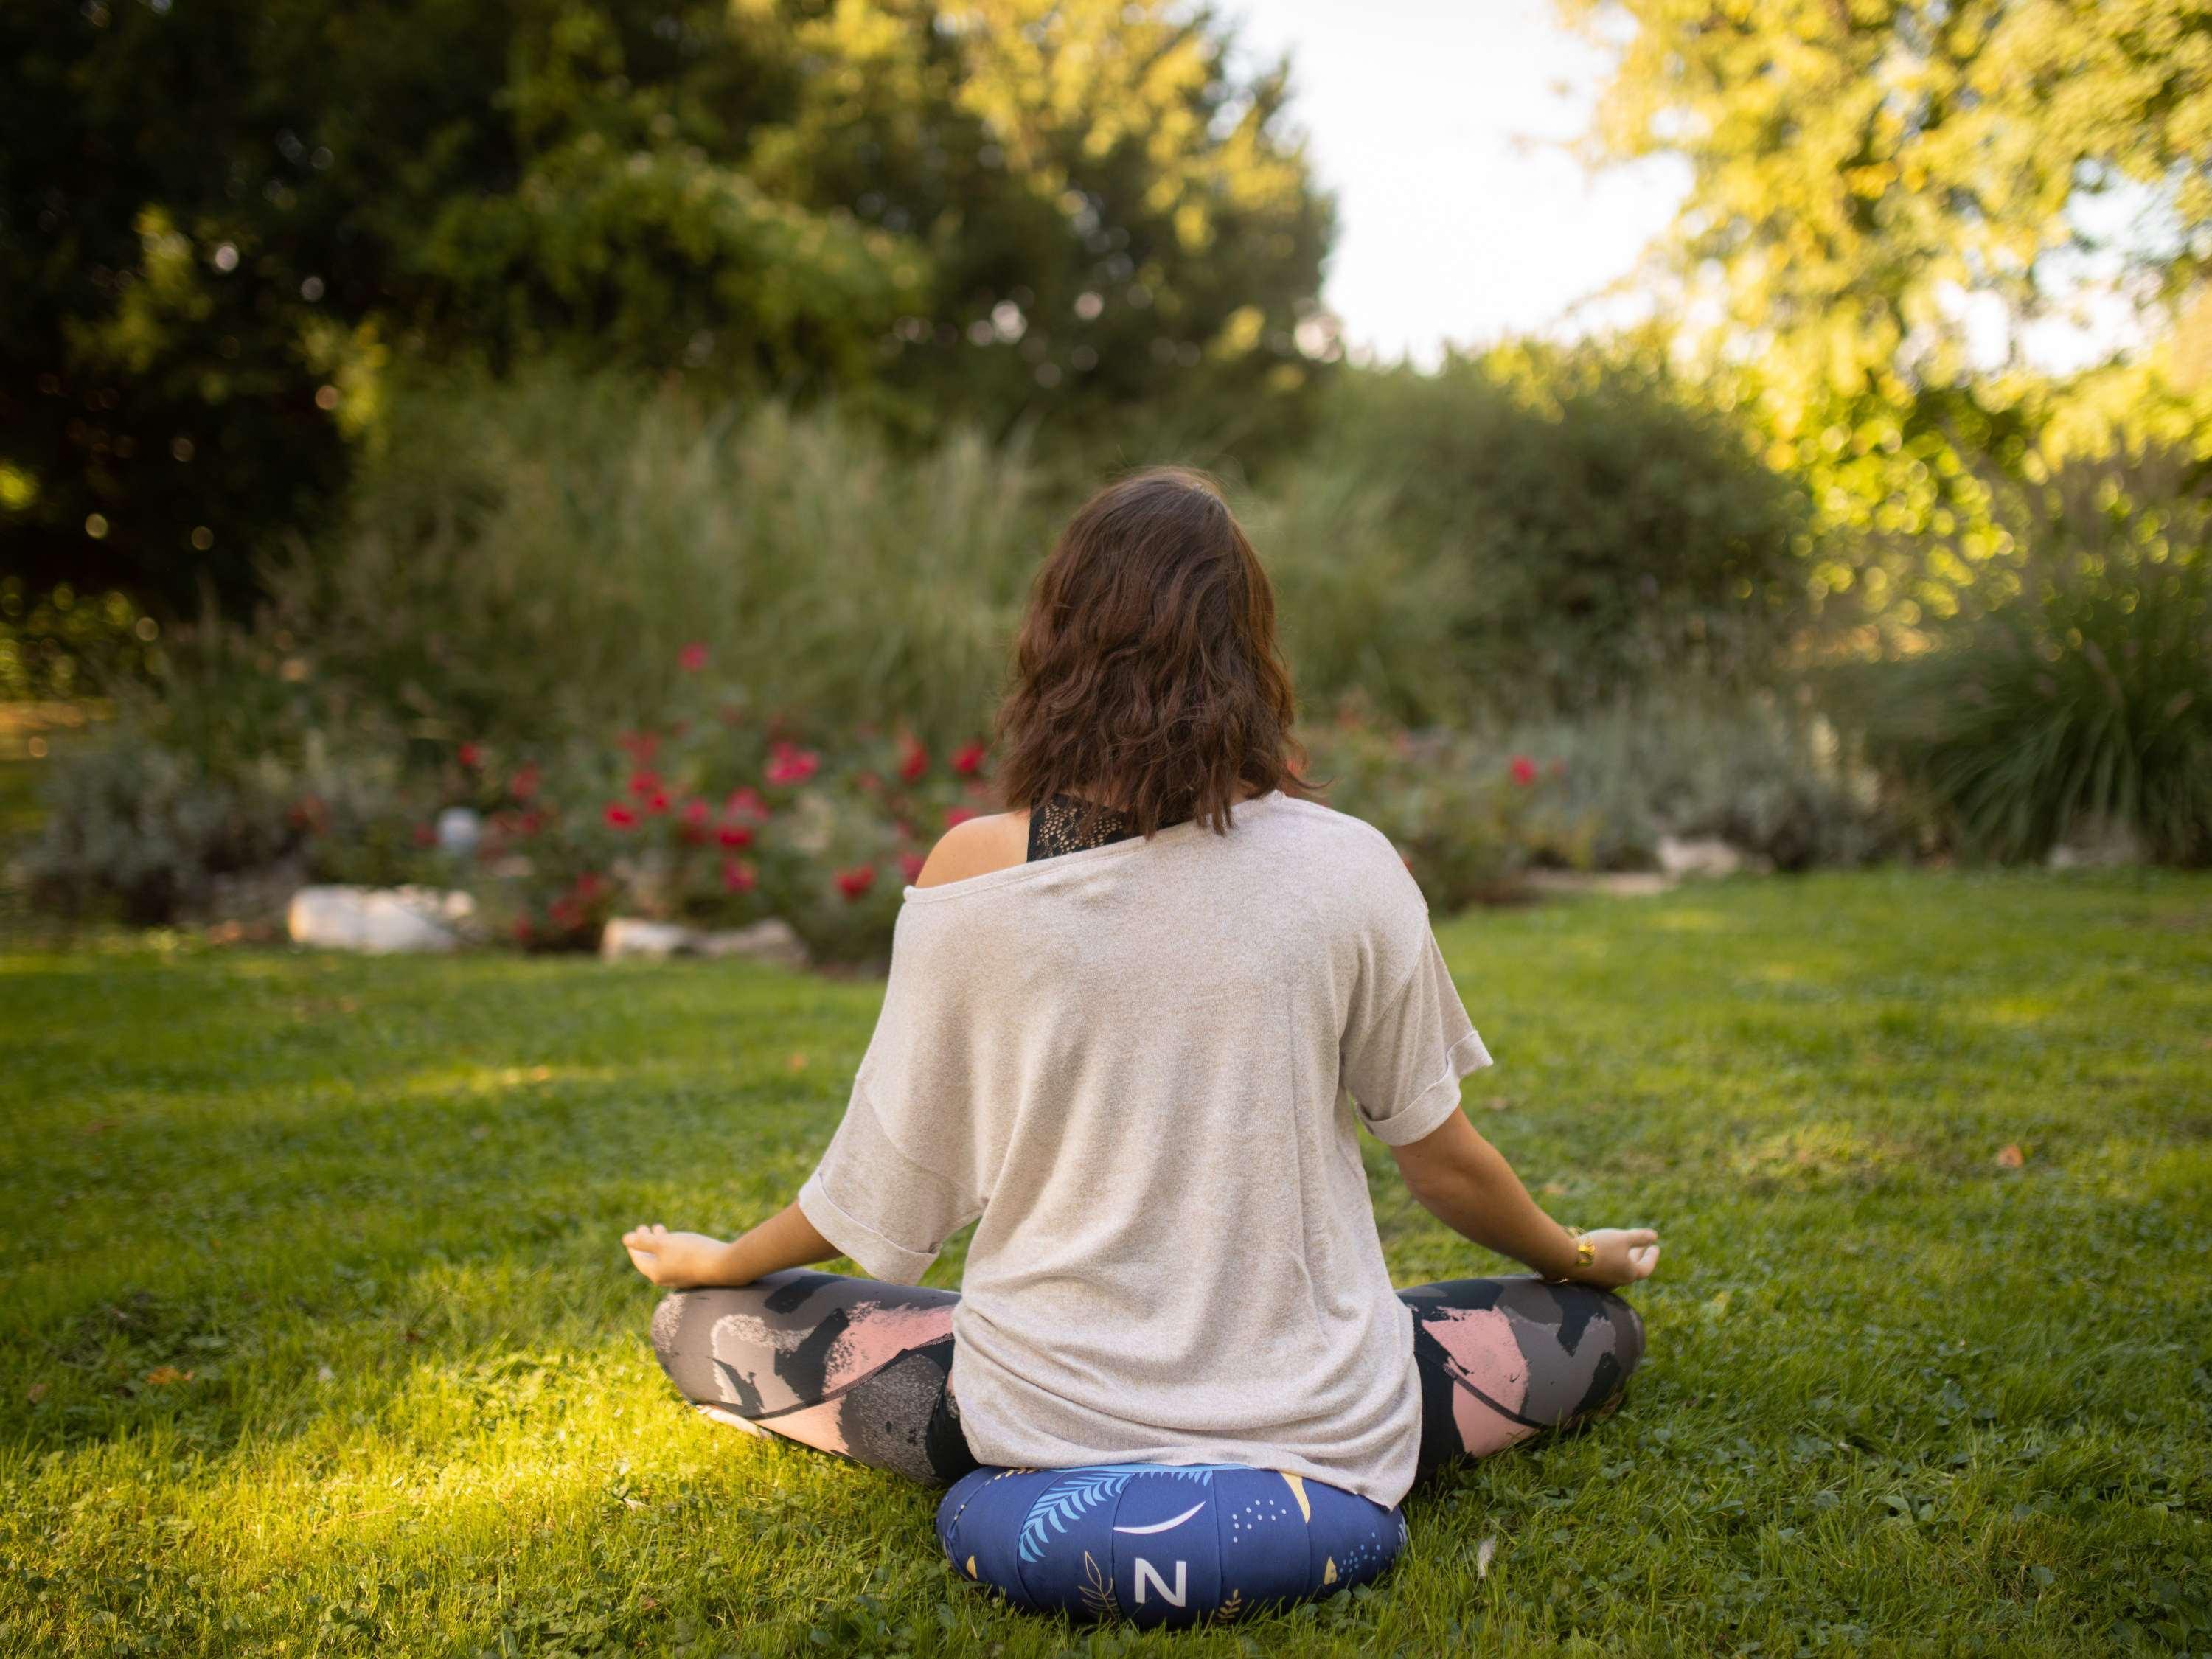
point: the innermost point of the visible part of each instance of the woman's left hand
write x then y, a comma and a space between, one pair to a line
675, 1261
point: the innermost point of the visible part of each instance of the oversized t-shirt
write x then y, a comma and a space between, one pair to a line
1144, 1067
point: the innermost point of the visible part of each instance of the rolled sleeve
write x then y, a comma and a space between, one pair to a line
1426, 1111
887, 1210
879, 1257
1403, 1059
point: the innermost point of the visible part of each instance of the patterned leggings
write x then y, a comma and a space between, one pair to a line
860, 1367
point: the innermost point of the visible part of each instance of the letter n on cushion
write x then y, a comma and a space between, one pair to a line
1161, 1544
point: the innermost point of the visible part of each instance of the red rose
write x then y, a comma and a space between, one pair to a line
955, 816
1524, 770
471, 755
524, 784
735, 835
642, 784
657, 802
788, 764
914, 761
856, 881
968, 759
737, 876
621, 816
692, 658
745, 801
911, 863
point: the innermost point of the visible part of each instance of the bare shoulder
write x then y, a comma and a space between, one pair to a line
997, 841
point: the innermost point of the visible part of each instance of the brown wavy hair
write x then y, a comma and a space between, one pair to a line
1146, 677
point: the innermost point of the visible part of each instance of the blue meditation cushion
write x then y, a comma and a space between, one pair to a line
1161, 1544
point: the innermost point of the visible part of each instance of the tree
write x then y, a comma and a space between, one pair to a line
222, 222
1861, 168
1865, 174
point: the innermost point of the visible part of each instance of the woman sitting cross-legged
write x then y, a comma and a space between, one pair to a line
1132, 1029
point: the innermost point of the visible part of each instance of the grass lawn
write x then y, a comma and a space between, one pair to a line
315, 1338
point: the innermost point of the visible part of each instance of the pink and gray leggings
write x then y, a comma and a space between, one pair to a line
860, 1367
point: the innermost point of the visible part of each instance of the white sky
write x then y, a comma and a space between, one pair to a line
1442, 126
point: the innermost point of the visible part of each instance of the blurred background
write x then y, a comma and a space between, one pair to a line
587, 456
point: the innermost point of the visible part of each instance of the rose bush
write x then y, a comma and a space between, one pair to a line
721, 817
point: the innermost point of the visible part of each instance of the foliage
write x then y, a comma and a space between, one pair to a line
528, 559
1007, 210
1858, 167
1871, 182
2078, 694
1603, 531
719, 819
140, 831
1363, 613
1770, 783
61, 645
359, 1216
1467, 818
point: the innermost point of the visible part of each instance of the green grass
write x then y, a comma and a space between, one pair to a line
1898, 1396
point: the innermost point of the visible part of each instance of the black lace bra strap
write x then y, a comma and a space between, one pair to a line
1059, 826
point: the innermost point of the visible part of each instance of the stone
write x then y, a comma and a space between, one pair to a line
1611, 884
772, 941
633, 936
2099, 844
380, 920
459, 831
1699, 856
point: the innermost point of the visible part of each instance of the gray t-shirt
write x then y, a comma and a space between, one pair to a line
1139, 1065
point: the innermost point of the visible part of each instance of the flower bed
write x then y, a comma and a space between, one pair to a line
717, 819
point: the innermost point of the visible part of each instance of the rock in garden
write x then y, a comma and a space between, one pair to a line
764, 941
459, 831
2099, 844
631, 936
1699, 856
378, 920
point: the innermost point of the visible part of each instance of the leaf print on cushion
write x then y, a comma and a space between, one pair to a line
1098, 1589
1079, 1491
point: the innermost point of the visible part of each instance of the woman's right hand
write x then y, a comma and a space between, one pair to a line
1622, 1255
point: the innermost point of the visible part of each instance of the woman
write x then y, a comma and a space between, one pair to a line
1132, 1029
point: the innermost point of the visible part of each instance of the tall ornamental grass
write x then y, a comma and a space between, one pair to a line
535, 557
2079, 699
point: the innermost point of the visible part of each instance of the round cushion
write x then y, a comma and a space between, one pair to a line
1163, 1544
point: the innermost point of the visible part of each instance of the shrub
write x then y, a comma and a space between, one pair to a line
2076, 693
527, 560
141, 831
1468, 818
1612, 535
1744, 769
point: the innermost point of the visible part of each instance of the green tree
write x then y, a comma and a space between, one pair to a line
221, 222
1609, 531
1860, 165
1864, 175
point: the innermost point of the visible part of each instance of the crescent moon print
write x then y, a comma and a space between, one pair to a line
1166, 1526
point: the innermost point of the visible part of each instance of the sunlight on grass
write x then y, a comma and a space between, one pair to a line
301, 1359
